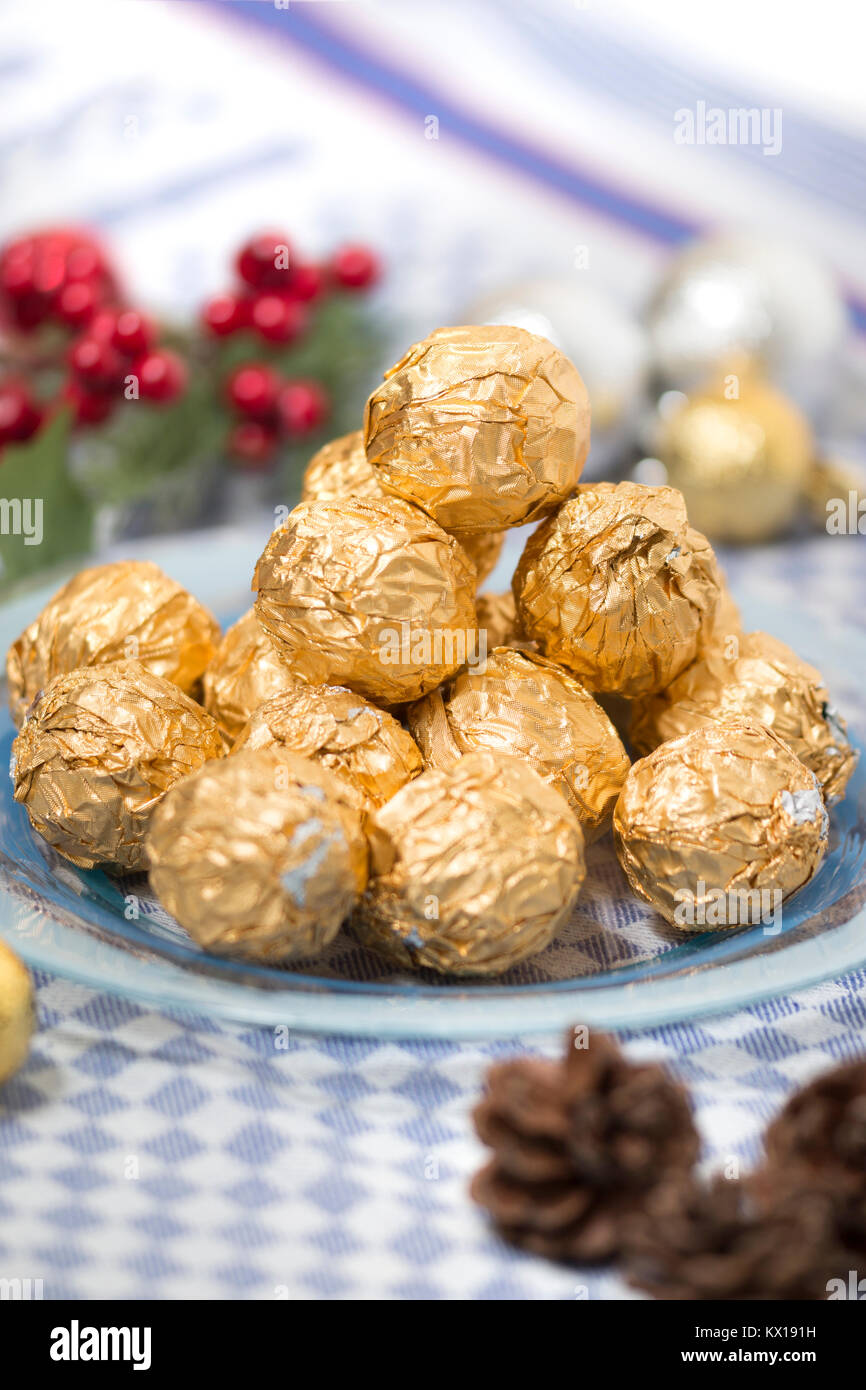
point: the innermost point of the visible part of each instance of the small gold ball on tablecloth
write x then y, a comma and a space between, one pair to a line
17, 1012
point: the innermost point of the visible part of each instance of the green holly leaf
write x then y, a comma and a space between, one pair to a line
44, 516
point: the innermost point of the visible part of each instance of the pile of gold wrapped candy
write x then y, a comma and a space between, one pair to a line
375, 747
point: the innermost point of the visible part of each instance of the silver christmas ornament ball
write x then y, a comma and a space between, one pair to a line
740, 295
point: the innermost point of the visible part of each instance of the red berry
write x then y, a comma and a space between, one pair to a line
277, 319
253, 443
224, 315
253, 390
16, 269
356, 267
86, 262
19, 415
103, 325
303, 407
306, 282
96, 363
49, 270
29, 311
161, 375
133, 333
265, 260
77, 303
88, 407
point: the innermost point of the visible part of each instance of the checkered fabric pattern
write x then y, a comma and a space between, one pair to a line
144, 1155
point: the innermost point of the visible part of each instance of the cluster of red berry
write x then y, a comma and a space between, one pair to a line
61, 280
73, 341
270, 407
275, 301
276, 291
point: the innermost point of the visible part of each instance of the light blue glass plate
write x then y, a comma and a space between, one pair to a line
617, 965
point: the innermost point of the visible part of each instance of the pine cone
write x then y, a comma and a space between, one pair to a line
717, 1242
822, 1129
577, 1144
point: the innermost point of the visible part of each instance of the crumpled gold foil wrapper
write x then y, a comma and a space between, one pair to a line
618, 587
484, 427
362, 745
725, 629
341, 469
497, 617
475, 868
98, 750
261, 855
244, 673
523, 705
766, 682
17, 1012
483, 549
128, 610
742, 463
724, 822
368, 594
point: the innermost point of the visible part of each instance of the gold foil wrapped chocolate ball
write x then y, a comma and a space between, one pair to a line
497, 620
766, 682
475, 868
618, 587
483, 427
341, 469
261, 855
99, 748
370, 594
362, 745
719, 827
742, 463
727, 623
245, 671
128, 610
483, 549
17, 1012
521, 704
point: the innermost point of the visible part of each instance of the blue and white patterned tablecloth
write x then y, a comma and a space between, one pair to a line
149, 1155
144, 1155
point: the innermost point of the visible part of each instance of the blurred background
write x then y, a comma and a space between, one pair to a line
223, 219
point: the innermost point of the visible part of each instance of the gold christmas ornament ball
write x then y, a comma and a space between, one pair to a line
762, 680
369, 594
261, 855
619, 588
17, 1012
98, 750
836, 496
720, 826
245, 672
341, 469
742, 462
484, 427
523, 705
128, 610
474, 869
362, 745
